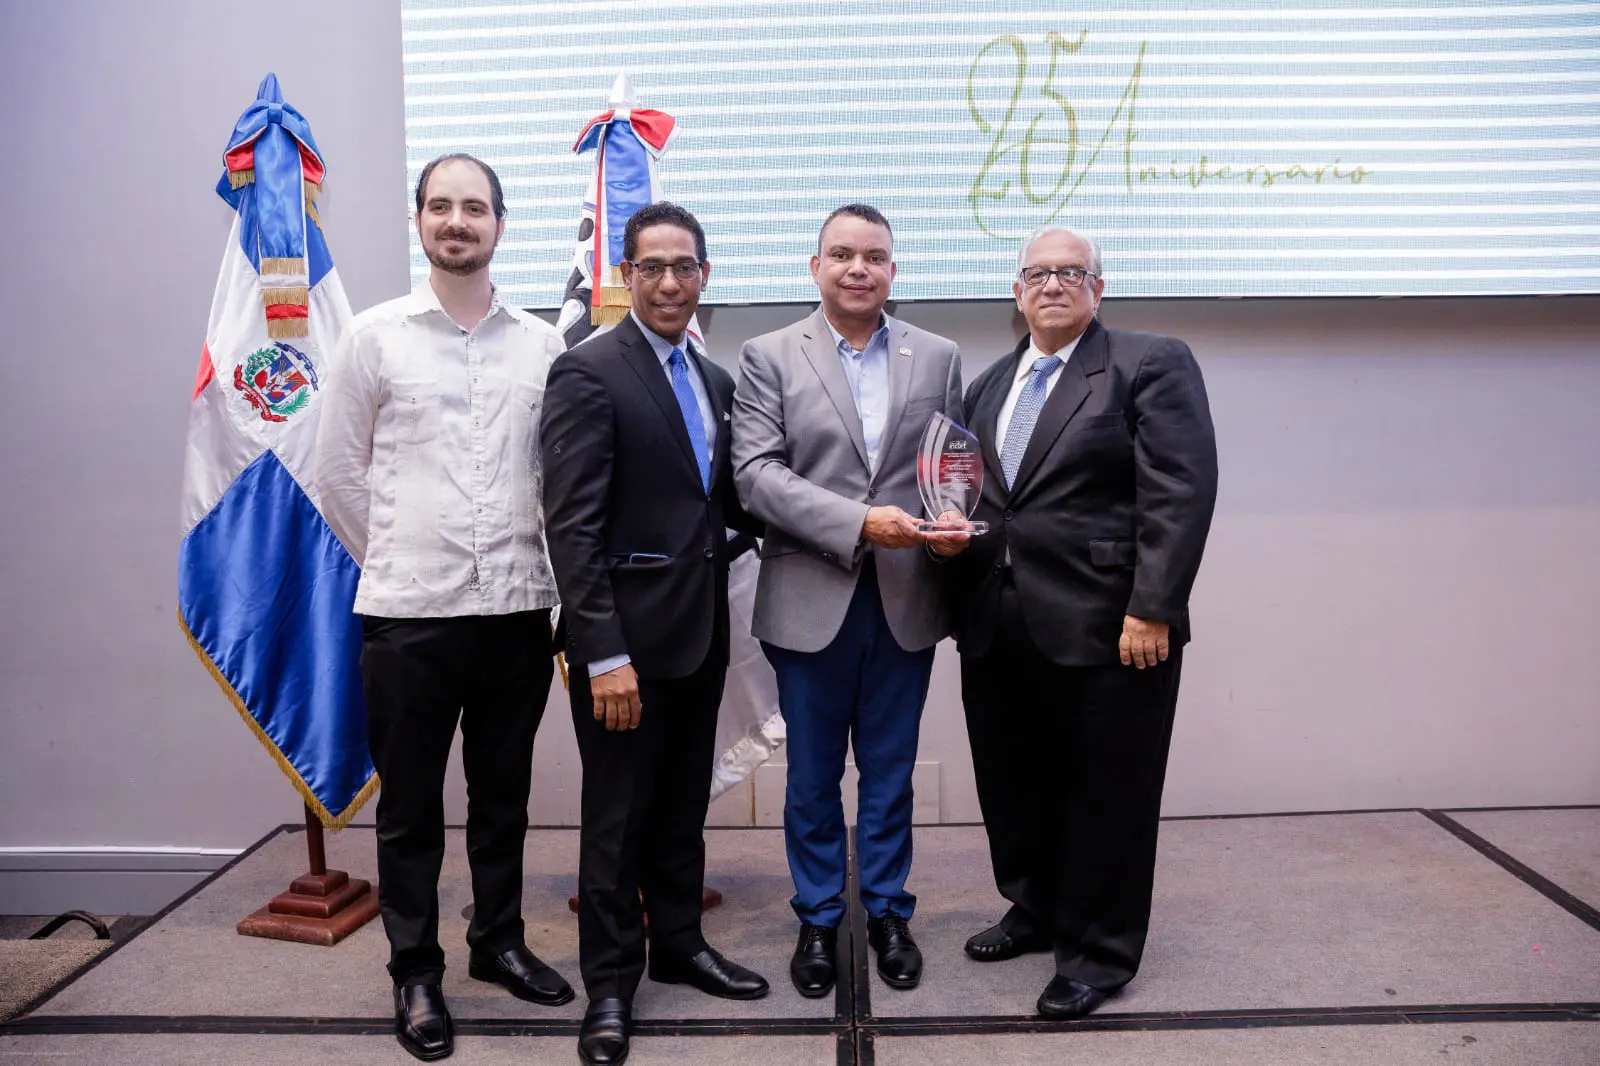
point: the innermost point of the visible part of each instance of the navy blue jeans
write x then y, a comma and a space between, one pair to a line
863, 691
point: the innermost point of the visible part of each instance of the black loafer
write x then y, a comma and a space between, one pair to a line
422, 1022
1064, 999
812, 968
603, 1037
899, 958
994, 944
521, 972
710, 973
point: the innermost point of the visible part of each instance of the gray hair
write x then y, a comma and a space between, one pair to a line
1045, 231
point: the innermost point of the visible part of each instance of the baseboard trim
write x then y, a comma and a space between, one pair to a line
110, 880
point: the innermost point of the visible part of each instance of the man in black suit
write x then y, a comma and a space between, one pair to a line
1071, 615
638, 496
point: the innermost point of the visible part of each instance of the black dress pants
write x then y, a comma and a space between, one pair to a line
419, 676
1070, 762
645, 793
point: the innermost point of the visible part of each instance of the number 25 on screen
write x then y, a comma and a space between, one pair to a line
1043, 129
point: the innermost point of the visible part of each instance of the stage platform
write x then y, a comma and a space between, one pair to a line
1378, 937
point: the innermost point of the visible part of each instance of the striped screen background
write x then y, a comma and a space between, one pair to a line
1219, 148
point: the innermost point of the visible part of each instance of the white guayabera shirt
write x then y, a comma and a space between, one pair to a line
428, 459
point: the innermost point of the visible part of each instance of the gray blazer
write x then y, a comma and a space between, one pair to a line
800, 465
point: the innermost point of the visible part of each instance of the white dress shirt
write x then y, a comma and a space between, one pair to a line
428, 459
1024, 369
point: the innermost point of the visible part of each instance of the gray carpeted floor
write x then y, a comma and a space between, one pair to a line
192, 1050
1563, 846
1332, 910
29, 967
1496, 1044
1326, 911
192, 962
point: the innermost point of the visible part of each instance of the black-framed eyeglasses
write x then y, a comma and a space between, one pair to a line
652, 270
1071, 277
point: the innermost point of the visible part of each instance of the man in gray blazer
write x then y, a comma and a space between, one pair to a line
827, 418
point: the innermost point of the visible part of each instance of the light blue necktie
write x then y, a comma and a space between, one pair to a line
1024, 415
691, 415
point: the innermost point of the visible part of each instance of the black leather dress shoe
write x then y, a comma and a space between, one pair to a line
994, 944
422, 1021
522, 973
899, 958
603, 1037
710, 973
812, 968
1064, 998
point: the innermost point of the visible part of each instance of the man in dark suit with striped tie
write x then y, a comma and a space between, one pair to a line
1071, 615
638, 497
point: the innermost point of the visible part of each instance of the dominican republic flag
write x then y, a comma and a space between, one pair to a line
265, 589
628, 141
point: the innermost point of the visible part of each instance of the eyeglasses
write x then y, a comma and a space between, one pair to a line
1071, 277
651, 270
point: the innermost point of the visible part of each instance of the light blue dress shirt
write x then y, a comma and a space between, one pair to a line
868, 374
663, 349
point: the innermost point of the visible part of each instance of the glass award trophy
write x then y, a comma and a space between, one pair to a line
950, 476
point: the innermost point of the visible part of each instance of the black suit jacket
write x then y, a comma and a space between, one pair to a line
639, 549
1111, 505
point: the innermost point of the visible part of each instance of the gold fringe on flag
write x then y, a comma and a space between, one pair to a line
296, 295
332, 820
615, 300
313, 190
284, 328
607, 316
295, 266
238, 179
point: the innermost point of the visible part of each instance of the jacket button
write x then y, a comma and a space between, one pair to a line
828, 556
872, 494
1007, 516
708, 553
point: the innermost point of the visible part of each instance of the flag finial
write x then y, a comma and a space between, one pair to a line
621, 92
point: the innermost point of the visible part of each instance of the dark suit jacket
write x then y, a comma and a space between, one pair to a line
1112, 502
639, 549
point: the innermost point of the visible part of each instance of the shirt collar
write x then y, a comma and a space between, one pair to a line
424, 300
660, 345
846, 348
1032, 355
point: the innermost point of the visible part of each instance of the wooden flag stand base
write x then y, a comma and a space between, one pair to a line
709, 897
321, 907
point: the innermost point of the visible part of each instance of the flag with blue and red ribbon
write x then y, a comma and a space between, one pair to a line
627, 142
265, 588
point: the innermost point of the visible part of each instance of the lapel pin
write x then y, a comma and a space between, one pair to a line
905, 351
726, 417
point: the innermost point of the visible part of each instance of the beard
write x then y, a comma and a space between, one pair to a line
467, 263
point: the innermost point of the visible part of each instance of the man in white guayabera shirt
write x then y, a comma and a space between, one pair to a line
428, 467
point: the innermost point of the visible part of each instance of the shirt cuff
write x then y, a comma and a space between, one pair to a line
606, 665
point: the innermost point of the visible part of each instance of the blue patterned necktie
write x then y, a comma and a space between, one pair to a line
691, 415
1024, 415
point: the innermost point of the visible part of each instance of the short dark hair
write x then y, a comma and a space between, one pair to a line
865, 212
496, 196
662, 212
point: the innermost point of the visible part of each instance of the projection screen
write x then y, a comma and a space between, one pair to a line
1219, 148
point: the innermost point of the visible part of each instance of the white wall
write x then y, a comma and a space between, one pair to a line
1398, 607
